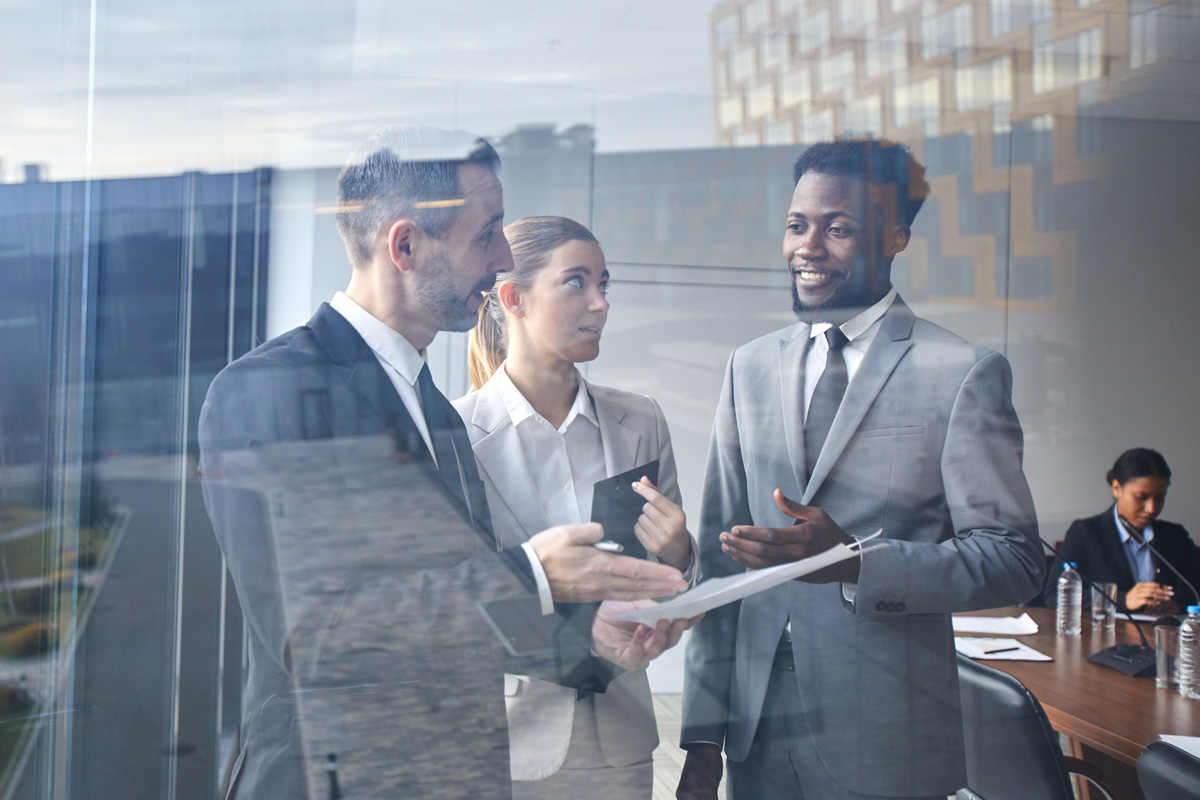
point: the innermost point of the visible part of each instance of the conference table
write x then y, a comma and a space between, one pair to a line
1107, 716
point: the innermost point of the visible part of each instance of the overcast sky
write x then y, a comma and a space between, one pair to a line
232, 84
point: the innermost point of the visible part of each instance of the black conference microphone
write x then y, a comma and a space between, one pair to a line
1134, 660
1137, 537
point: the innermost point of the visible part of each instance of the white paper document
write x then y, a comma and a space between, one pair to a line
1013, 626
987, 648
716, 592
1188, 744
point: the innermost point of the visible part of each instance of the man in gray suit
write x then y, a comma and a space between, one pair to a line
844, 685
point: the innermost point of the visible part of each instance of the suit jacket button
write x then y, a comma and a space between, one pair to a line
900, 606
881, 606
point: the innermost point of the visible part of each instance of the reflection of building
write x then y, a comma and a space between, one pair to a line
976, 77
787, 71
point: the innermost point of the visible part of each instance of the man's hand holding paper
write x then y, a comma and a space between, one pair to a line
813, 533
579, 573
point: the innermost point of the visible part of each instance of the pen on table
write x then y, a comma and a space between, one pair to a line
609, 547
1000, 650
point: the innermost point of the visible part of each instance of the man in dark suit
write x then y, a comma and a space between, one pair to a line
344, 493
844, 684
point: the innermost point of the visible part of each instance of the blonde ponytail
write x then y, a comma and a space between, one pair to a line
487, 346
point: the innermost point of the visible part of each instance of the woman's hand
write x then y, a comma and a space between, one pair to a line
1148, 596
631, 645
662, 527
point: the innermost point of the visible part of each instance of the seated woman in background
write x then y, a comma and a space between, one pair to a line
543, 436
1111, 546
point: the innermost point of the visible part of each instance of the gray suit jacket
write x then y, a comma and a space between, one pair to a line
633, 431
926, 446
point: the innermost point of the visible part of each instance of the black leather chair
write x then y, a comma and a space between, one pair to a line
1168, 773
1012, 752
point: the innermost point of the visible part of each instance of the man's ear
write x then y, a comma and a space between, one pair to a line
403, 242
510, 298
896, 240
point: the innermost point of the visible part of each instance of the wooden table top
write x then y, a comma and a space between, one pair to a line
1100, 707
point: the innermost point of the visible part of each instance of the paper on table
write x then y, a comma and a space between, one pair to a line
1188, 744
716, 592
1013, 626
978, 647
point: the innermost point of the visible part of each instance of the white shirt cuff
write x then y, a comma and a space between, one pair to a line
539, 575
849, 591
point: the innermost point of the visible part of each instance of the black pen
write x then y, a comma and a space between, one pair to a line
1001, 650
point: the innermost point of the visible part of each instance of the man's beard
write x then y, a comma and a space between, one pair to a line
844, 303
438, 293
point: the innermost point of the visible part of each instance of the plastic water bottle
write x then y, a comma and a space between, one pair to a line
1189, 654
1070, 601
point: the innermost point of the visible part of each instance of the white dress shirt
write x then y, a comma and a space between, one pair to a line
564, 462
402, 364
401, 361
860, 330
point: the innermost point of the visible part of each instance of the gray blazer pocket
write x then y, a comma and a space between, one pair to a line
897, 430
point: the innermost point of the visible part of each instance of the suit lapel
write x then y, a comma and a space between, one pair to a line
620, 442
791, 394
355, 363
890, 344
502, 459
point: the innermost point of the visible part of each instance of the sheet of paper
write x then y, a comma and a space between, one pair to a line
1013, 626
1188, 744
716, 592
988, 648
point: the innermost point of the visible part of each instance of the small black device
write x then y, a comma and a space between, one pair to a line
616, 506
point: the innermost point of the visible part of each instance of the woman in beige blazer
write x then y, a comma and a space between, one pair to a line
542, 436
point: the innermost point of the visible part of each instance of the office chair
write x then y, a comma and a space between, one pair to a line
1168, 773
1012, 752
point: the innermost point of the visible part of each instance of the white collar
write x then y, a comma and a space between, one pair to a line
520, 410
386, 342
861, 322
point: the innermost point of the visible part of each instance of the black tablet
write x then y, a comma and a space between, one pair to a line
616, 506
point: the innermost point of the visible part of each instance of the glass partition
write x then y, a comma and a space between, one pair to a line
168, 195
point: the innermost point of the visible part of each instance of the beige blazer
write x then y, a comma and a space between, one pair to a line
632, 431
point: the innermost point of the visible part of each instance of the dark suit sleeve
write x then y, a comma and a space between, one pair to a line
360, 571
1178, 548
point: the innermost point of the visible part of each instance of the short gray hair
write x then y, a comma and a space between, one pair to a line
405, 171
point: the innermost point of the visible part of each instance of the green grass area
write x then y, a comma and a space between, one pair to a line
14, 515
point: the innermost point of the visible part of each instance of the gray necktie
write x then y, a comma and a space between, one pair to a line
827, 396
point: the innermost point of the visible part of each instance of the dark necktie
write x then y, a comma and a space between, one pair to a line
449, 436
827, 396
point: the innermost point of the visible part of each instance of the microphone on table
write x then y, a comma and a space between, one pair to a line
1137, 537
1134, 660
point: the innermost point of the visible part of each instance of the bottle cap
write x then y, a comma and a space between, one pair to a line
1194, 609
1070, 564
